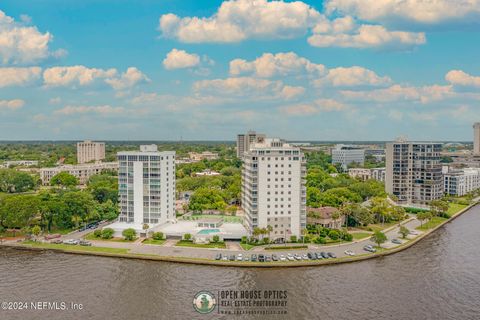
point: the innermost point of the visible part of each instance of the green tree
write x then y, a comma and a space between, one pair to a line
216, 238
129, 234
334, 235
107, 233
36, 230
404, 232
13, 181
424, 215
18, 211
438, 207
187, 237
379, 237
157, 236
64, 179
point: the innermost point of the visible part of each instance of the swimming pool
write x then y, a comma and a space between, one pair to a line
208, 231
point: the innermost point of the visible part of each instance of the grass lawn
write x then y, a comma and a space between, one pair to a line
184, 243
246, 246
360, 235
75, 247
454, 208
435, 221
230, 219
152, 241
91, 236
380, 227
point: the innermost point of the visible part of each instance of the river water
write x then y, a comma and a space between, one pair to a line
438, 278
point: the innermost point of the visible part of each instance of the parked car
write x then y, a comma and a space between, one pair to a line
56, 241
331, 255
369, 248
324, 255
85, 243
310, 256
290, 257
305, 257
218, 256
71, 241
268, 258
246, 258
253, 257
297, 257
318, 255
232, 257
396, 241
225, 258
274, 257
283, 258
261, 258
413, 232
349, 252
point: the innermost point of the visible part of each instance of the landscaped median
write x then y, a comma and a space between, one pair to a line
124, 253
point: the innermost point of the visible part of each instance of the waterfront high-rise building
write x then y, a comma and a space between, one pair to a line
273, 188
146, 186
413, 172
90, 151
476, 138
245, 140
345, 155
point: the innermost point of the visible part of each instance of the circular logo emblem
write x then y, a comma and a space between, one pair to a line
204, 302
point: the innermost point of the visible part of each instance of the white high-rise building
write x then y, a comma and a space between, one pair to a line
146, 187
245, 140
413, 172
459, 182
347, 154
273, 188
476, 138
90, 151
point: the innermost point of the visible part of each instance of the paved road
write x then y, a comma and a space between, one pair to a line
169, 249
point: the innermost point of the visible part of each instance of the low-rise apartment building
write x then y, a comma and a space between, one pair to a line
459, 182
82, 171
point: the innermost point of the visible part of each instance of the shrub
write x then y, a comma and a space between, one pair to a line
266, 240
293, 239
216, 238
157, 236
347, 237
334, 235
244, 239
129, 234
187, 236
107, 233
320, 240
97, 233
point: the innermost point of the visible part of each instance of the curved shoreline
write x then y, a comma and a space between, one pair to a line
279, 264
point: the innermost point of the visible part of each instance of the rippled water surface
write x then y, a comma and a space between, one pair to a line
438, 278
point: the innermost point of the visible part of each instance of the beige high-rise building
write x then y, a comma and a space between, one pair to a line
273, 188
414, 172
245, 140
90, 151
476, 138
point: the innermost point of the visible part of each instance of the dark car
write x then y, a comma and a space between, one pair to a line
232, 257
218, 256
332, 255
324, 255
261, 258
274, 257
253, 257
310, 256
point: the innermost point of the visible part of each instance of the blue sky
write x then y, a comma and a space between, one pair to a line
161, 70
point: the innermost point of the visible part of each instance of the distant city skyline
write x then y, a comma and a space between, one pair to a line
333, 70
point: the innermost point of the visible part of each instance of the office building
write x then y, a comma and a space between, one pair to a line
345, 155
88, 151
146, 188
245, 140
273, 188
476, 138
366, 174
414, 172
82, 171
459, 182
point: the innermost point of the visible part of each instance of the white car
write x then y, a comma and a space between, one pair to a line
290, 257
349, 253
225, 258
282, 258
305, 257
71, 241
414, 232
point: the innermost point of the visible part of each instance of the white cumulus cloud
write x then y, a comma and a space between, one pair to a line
352, 77
238, 20
178, 59
461, 78
18, 76
128, 79
21, 44
280, 64
11, 104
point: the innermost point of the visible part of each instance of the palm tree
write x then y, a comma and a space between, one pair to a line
145, 227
